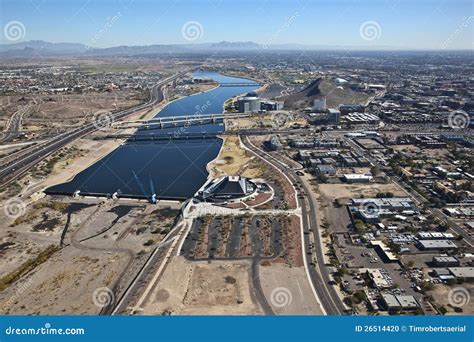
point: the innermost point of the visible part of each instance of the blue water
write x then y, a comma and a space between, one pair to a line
171, 169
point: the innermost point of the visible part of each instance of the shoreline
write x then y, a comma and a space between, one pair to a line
98, 150
107, 147
183, 97
238, 76
210, 173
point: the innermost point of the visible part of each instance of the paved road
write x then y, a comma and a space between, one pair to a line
15, 168
257, 287
320, 277
13, 126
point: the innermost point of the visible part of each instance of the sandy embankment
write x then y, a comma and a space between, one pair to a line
231, 158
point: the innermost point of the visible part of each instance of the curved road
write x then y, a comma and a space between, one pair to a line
320, 277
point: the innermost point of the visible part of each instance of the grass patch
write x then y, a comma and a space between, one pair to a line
27, 266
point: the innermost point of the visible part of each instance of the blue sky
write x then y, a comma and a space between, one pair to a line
423, 24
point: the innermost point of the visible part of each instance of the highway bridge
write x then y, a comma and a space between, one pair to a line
175, 121
196, 135
241, 84
161, 136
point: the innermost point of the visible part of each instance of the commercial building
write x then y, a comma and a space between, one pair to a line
384, 251
379, 280
320, 104
351, 108
399, 302
370, 210
251, 103
436, 245
357, 117
228, 187
248, 103
271, 105
466, 273
434, 236
445, 261
325, 170
357, 178
334, 116
394, 203
275, 144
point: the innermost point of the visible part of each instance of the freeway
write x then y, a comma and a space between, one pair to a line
15, 168
319, 277
13, 125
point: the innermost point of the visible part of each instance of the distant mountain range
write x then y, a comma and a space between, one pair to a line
42, 48
39, 48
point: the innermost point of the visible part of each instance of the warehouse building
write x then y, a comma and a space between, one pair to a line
443, 245
445, 261
357, 178
399, 302
384, 251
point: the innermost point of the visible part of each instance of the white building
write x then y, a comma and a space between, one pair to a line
320, 104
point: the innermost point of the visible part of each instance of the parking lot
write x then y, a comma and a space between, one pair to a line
226, 237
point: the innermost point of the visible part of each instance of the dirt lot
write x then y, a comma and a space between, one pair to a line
63, 285
441, 294
343, 191
57, 254
49, 112
231, 159
202, 288
292, 254
288, 291
279, 120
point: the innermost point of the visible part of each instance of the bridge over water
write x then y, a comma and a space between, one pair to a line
161, 136
241, 84
196, 135
175, 121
